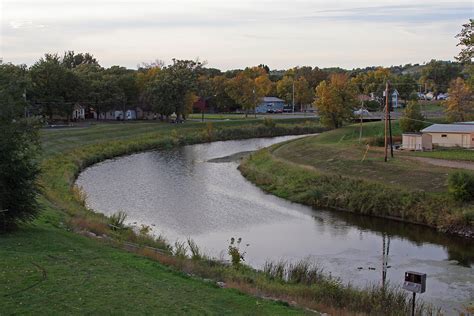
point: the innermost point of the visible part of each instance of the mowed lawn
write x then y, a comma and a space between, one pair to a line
340, 152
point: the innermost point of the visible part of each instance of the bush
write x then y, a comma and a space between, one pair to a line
117, 220
461, 186
19, 168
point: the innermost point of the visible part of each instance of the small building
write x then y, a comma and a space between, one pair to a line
417, 141
79, 113
451, 135
270, 105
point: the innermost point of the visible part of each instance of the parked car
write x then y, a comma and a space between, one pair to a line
361, 112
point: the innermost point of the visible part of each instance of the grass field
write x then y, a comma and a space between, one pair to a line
335, 170
46, 268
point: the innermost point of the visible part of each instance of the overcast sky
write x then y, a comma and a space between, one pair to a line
234, 34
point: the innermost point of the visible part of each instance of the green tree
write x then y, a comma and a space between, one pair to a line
54, 87
72, 60
123, 88
336, 100
169, 91
412, 119
437, 74
466, 41
19, 149
406, 86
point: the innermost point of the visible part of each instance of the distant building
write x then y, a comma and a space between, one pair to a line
395, 97
417, 141
451, 135
270, 105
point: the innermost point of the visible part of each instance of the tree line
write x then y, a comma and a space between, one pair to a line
55, 84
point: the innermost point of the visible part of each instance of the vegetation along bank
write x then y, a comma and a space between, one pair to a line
339, 170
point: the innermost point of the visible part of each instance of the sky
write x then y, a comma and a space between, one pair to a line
231, 34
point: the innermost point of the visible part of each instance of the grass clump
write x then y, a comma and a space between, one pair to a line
461, 186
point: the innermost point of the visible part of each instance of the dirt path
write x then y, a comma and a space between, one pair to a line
446, 163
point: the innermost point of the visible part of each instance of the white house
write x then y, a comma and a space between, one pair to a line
79, 113
451, 135
417, 141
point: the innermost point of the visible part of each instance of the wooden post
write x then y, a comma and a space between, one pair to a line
386, 121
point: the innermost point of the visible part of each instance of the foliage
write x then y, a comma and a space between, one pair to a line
461, 186
302, 91
19, 168
237, 256
19, 151
460, 104
412, 119
249, 87
54, 87
437, 74
466, 41
336, 100
405, 85
372, 81
170, 88
194, 249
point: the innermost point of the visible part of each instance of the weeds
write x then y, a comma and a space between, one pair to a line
236, 254
117, 220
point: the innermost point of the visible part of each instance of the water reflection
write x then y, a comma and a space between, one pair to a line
186, 196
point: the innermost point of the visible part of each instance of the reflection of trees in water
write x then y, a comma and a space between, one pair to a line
385, 252
459, 249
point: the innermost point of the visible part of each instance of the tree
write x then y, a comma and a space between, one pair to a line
412, 119
71, 60
169, 90
220, 99
19, 150
437, 74
466, 41
336, 100
373, 81
54, 87
249, 87
460, 104
405, 85
123, 87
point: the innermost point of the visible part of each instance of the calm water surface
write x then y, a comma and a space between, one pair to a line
180, 194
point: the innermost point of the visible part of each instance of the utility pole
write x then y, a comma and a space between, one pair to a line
293, 93
386, 121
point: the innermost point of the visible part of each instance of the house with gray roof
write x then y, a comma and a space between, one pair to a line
270, 105
451, 135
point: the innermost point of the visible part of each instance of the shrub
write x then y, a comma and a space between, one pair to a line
461, 186
268, 122
19, 168
236, 255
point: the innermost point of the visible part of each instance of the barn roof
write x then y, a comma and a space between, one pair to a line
449, 128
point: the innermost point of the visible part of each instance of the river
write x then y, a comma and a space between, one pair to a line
180, 194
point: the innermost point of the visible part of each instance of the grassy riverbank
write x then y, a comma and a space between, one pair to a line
47, 267
335, 170
51, 267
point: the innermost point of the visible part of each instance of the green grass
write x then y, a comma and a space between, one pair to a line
48, 270
45, 268
219, 116
449, 154
330, 170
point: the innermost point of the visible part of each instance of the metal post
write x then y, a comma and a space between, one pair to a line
413, 305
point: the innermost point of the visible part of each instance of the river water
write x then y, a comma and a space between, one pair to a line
180, 194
